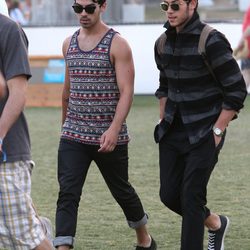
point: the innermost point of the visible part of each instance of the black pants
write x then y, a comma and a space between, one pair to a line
184, 173
73, 163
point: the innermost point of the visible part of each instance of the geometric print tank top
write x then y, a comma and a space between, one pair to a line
94, 93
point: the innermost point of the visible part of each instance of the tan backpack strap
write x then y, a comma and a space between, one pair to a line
202, 51
203, 38
160, 43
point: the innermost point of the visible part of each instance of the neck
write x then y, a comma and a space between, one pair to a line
95, 29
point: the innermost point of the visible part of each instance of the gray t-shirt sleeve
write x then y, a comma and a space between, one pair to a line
15, 55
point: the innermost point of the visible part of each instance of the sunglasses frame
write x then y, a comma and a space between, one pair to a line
89, 9
173, 6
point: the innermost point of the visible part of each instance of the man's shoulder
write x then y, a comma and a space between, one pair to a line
7, 22
10, 28
160, 43
12, 31
163, 36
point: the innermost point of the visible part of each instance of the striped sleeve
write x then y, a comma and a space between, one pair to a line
227, 71
162, 91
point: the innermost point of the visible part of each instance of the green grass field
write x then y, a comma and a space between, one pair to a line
101, 223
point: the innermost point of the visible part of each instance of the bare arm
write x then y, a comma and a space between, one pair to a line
15, 104
66, 86
2, 86
124, 66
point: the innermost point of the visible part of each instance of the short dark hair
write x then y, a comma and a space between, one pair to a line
100, 2
188, 1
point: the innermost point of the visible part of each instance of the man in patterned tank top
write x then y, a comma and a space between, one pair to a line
96, 99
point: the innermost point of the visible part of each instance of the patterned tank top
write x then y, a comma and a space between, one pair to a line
94, 93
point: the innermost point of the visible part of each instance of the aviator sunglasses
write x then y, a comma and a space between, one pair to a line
78, 8
173, 6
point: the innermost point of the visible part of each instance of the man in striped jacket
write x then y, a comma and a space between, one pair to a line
195, 111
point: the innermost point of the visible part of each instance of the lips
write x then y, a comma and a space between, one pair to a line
171, 19
83, 20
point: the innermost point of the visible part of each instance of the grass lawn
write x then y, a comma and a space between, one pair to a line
101, 223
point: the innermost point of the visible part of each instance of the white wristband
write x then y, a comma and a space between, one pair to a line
1, 141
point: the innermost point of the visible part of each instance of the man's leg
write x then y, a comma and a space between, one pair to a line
20, 225
114, 169
200, 162
73, 165
171, 175
172, 165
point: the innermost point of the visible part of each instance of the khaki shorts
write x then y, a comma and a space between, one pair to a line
20, 227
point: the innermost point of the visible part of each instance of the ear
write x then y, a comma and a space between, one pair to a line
104, 6
193, 4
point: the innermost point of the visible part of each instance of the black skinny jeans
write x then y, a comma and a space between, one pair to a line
74, 160
185, 170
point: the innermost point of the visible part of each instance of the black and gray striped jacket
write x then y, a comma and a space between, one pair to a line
187, 83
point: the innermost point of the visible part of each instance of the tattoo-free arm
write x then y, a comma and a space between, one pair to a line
66, 86
122, 59
17, 87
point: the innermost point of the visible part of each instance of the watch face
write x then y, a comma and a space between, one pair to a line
217, 131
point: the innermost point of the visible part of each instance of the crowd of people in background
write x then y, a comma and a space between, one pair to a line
20, 11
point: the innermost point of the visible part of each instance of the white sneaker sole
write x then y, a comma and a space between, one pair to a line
225, 232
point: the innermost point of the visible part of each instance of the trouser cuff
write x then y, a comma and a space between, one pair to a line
63, 241
137, 224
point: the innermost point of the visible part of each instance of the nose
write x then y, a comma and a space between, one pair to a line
83, 12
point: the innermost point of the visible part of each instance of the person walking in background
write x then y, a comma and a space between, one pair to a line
97, 96
21, 227
25, 7
15, 12
194, 114
244, 45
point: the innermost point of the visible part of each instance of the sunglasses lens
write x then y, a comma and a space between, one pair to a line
175, 6
77, 8
90, 9
164, 6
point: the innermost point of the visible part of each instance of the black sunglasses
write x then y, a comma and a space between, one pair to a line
78, 8
173, 6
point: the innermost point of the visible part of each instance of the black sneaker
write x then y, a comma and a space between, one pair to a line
216, 238
152, 246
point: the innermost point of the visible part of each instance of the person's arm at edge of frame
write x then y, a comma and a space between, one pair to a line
66, 86
17, 87
122, 59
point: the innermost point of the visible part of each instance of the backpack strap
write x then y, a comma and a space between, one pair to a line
202, 50
160, 43
203, 38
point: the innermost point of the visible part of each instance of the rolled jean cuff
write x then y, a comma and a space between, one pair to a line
137, 224
63, 241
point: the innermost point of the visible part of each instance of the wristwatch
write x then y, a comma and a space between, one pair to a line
218, 132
